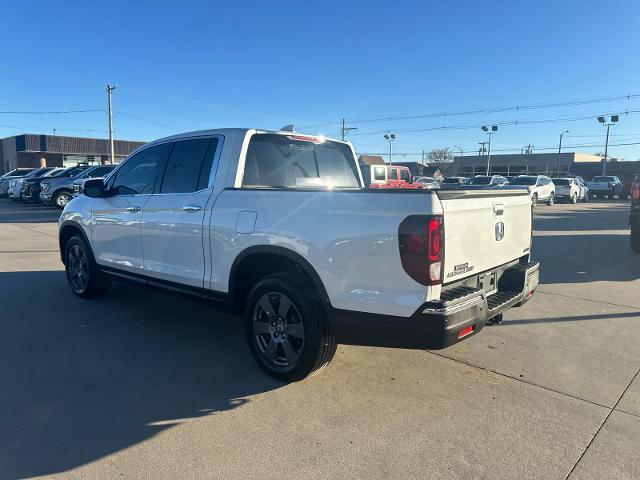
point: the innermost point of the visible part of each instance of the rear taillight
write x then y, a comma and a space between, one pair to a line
635, 191
421, 244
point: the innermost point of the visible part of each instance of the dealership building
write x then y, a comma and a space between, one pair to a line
522, 164
33, 150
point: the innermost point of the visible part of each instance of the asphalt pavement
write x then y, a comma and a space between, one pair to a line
147, 386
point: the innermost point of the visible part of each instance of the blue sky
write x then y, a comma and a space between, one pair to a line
187, 65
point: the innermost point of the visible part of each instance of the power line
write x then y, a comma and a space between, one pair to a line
17, 127
503, 123
49, 112
535, 106
140, 119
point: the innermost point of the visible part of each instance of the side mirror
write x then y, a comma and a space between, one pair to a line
95, 188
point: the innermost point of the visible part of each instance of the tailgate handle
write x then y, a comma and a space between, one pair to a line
498, 209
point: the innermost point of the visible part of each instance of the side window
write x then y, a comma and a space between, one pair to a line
189, 166
378, 173
393, 174
139, 173
404, 175
100, 171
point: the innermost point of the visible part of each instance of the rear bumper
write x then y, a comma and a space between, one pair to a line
437, 325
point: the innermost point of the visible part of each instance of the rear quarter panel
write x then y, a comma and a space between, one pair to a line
349, 238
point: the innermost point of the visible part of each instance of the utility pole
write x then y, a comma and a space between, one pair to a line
461, 159
528, 150
110, 88
344, 129
559, 149
423, 155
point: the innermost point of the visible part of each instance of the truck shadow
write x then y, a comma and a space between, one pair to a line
80, 380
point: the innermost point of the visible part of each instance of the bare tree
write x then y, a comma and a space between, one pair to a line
440, 157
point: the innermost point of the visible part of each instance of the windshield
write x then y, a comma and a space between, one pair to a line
524, 181
480, 181
603, 179
295, 161
562, 181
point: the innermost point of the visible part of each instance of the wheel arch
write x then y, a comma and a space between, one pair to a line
68, 229
257, 261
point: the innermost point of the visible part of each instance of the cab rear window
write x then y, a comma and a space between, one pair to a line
297, 161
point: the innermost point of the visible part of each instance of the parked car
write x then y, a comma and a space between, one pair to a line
540, 187
488, 181
58, 191
571, 189
453, 181
605, 186
100, 171
427, 182
280, 227
7, 177
634, 216
31, 187
15, 184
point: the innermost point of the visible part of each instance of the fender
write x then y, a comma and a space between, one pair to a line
76, 226
285, 252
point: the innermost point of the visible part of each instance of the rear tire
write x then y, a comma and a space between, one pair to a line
635, 237
551, 200
287, 328
83, 275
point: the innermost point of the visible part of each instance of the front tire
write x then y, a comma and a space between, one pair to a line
534, 200
551, 200
83, 275
287, 328
61, 199
574, 198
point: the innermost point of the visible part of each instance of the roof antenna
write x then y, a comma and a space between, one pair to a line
289, 128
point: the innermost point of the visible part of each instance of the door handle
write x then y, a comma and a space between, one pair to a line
134, 209
192, 208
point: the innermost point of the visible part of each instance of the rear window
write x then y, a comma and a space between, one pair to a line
480, 181
293, 161
604, 179
561, 181
524, 181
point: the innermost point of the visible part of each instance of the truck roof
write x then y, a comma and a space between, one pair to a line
239, 132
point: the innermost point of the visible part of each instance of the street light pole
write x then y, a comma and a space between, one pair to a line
603, 120
111, 88
559, 149
391, 137
485, 129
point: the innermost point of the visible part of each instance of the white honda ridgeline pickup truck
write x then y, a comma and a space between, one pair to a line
280, 226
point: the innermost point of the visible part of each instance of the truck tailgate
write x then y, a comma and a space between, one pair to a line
483, 229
